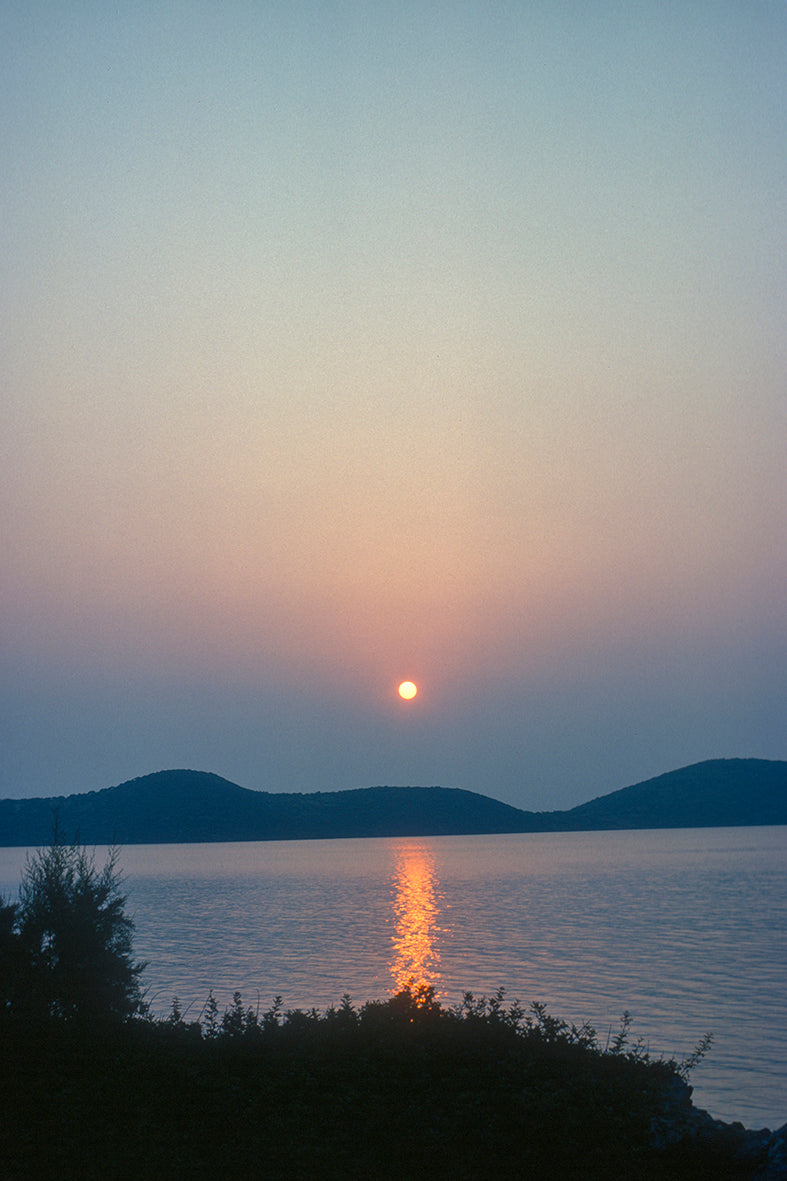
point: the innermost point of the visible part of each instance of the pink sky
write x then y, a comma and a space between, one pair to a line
344, 347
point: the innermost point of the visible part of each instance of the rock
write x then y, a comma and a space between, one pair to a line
672, 1123
775, 1166
678, 1121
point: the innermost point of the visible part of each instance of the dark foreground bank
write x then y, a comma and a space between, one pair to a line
403, 1088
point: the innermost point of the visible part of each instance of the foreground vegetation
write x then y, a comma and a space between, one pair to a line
401, 1088
93, 1086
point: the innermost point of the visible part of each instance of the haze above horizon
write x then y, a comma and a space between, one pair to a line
351, 345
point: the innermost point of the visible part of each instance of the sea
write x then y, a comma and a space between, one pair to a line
685, 930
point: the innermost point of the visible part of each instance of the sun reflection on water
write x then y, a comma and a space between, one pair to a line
415, 898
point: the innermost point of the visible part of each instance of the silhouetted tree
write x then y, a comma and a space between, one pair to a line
14, 960
75, 935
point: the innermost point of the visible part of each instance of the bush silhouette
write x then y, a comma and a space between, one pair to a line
70, 939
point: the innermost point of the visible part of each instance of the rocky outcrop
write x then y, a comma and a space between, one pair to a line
761, 1150
775, 1166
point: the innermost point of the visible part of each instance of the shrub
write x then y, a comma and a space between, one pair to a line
72, 934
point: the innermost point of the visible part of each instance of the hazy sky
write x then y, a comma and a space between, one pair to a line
345, 343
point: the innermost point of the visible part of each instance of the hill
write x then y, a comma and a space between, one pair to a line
718, 793
192, 806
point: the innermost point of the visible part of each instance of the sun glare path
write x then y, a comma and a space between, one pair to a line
416, 957
408, 690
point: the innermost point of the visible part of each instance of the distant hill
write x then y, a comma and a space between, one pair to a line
718, 793
189, 806
194, 806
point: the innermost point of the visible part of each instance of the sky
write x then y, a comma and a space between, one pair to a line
357, 342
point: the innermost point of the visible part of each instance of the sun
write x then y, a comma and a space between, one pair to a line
408, 690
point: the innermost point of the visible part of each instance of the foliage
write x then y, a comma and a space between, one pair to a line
14, 959
71, 938
403, 1087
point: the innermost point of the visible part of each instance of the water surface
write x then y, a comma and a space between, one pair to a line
683, 928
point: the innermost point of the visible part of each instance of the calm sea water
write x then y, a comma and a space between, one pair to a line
686, 929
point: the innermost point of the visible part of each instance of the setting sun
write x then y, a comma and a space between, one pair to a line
408, 690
